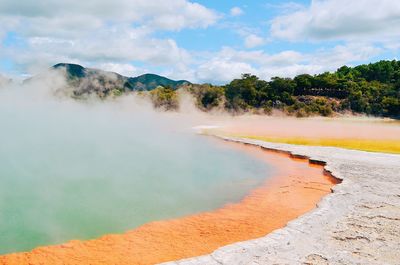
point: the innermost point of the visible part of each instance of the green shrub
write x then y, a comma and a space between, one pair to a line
165, 98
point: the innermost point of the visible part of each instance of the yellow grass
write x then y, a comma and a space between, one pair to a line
384, 146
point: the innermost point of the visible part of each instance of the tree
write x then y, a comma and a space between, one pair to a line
282, 89
391, 106
165, 98
242, 93
212, 97
304, 84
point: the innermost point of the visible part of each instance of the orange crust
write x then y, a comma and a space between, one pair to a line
295, 189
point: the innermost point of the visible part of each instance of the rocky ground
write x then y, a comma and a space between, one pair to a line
359, 223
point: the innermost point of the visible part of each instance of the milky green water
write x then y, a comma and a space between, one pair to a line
75, 172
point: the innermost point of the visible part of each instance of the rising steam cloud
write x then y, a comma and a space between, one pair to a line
78, 169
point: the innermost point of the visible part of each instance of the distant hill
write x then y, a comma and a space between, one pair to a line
151, 81
89, 80
73, 70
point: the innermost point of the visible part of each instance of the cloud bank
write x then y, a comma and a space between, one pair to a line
133, 37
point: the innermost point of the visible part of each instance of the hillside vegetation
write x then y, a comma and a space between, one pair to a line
372, 89
88, 81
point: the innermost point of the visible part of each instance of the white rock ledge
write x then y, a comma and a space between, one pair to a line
358, 223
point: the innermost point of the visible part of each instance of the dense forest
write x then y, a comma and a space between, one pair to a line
372, 89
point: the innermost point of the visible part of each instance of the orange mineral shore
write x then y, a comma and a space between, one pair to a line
294, 189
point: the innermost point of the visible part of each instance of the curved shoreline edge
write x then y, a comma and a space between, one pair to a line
257, 214
358, 223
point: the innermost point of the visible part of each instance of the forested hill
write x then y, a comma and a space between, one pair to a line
103, 83
372, 89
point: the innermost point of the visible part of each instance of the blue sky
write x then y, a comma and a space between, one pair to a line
202, 41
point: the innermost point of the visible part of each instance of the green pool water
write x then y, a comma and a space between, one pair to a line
70, 171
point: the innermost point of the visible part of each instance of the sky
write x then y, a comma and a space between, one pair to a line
201, 41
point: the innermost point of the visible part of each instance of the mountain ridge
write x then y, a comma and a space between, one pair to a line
92, 80
78, 71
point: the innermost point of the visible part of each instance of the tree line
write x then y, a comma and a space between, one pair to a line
372, 89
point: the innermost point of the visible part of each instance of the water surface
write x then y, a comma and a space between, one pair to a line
71, 171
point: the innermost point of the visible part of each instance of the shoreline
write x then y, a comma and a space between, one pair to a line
282, 198
358, 223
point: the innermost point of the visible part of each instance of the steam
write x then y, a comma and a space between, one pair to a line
4, 81
78, 169
346, 127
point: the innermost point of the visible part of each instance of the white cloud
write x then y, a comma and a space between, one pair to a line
236, 11
121, 44
229, 63
253, 40
123, 69
185, 14
112, 34
344, 54
94, 31
285, 7
251, 35
220, 70
370, 20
